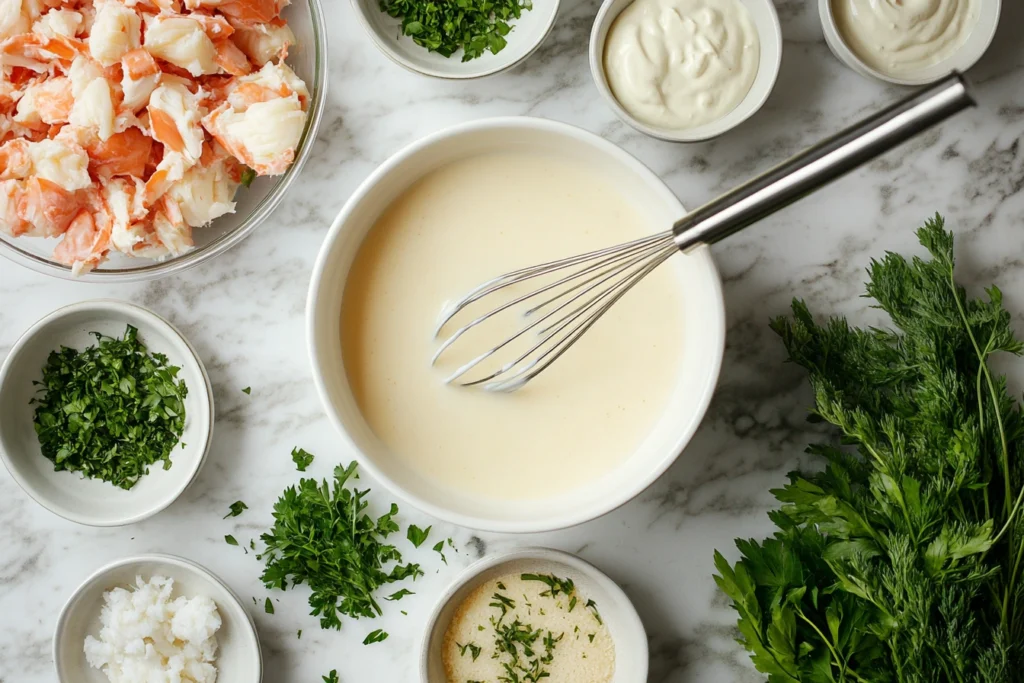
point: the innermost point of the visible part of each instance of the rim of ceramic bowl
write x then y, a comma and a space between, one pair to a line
152, 270
631, 617
845, 54
112, 305
389, 52
58, 630
597, 71
488, 524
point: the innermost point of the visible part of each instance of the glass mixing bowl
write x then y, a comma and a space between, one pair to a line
308, 58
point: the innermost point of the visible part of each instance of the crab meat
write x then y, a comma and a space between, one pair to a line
94, 109
87, 239
122, 154
181, 41
206, 190
174, 120
36, 207
249, 11
13, 21
46, 102
59, 22
40, 53
141, 75
263, 43
116, 30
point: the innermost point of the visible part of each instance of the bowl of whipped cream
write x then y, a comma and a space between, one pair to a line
915, 42
685, 70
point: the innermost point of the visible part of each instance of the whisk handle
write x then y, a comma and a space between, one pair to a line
821, 164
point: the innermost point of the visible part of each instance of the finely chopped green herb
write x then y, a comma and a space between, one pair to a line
446, 26
110, 411
322, 536
901, 561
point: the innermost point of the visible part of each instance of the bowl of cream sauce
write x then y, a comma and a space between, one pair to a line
909, 42
460, 207
685, 70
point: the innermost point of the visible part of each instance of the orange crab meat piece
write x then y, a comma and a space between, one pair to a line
165, 130
86, 241
36, 52
124, 153
139, 64
232, 59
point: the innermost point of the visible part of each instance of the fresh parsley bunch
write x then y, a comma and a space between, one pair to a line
903, 560
445, 26
111, 410
323, 537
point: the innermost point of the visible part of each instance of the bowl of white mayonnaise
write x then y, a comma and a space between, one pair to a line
685, 70
914, 42
442, 216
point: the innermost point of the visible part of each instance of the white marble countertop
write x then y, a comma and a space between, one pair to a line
244, 313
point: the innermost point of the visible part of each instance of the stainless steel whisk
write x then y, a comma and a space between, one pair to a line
586, 286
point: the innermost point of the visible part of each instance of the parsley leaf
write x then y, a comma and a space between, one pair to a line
439, 549
302, 458
377, 636
268, 606
416, 535
230, 540
247, 391
110, 411
322, 536
236, 509
331, 677
248, 175
398, 595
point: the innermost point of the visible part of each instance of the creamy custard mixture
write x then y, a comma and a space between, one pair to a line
900, 37
457, 227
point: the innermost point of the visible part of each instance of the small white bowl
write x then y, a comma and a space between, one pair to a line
702, 342
68, 494
528, 32
239, 658
769, 33
963, 59
617, 612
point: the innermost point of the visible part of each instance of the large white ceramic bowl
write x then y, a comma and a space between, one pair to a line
769, 33
253, 205
68, 494
963, 59
528, 32
701, 345
614, 606
239, 658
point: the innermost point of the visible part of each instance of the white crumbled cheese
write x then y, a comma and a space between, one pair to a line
182, 42
146, 636
267, 130
94, 109
116, 29
60, 162
59, 22
175, 100
204, 193
262, 43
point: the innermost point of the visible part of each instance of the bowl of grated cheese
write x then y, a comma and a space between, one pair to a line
153, 617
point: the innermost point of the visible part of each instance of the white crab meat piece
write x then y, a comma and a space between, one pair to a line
94, 109
12, 20
45, 102
182, 42
60, 162
59, 22
116, 30
175, 116
263, 43
206, 192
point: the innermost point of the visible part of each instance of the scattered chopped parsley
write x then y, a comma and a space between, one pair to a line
236, 509
252, 544
591, 636
323, 537
417, 535
110, 411
268, 607
298, 634
377, 636
474, 26
592, 606
230, 540
556, 586
331, 677
302, 458
247, 390
248, 175
398, 595
473, 649
439, 549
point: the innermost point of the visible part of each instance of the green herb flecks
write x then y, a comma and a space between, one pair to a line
230, 540
247, 391
110, 411
302, 458
416, 535
236, 509
901, 561
248, 175
446, 26
439, 549
323, 537
377, 636
399, 594
331, 677
556, 586
472, 648
268, 606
